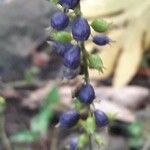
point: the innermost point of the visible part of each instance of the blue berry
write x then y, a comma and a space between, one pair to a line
69, 119
101, 40
59, 21
72, 58
60, 48
74, 144
71, 4
101, 118
86, 94
81, 29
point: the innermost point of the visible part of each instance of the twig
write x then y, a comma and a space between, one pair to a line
3, 137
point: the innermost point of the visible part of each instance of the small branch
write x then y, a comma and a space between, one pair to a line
3, 137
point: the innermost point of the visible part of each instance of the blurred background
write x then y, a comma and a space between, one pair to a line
29, 72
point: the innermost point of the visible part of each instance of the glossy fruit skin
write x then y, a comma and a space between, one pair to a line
69, 119
81, 29
60, 48
59, 21
70, 4
101, 40
86, 94
101, 118
72, 58
74, 144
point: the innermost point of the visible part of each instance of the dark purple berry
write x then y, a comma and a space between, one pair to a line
101, 118
86, 94
81, 29
70, 73
101, 40
74, 144
59, 21
60, 48
69, 119
72, 58
69, 3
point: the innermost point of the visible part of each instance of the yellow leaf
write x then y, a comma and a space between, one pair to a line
131, 55
105, 7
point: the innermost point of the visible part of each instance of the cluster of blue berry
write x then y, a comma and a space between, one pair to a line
73, 57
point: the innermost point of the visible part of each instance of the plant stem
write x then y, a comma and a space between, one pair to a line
3, 137
85, 63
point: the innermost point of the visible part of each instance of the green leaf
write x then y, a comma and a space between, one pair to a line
52, 98
40, 122
90, 125
100, 25
95, 62
62, 37
135, 129
82, 141
78, 105
24, 137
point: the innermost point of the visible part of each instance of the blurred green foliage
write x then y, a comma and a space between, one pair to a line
39, 123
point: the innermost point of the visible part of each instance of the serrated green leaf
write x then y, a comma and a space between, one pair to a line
90, 125
78, 105
24, 137
100, 25
62, 37
95, 62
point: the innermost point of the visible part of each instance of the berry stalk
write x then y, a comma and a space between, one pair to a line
86, 72
71, 49
85, 62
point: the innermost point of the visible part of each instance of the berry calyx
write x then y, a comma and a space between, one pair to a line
70, 4
101, 40
72, 58
62, 37
59, 21
100, 25
81, 29
86, 94
101, 118
69, 119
